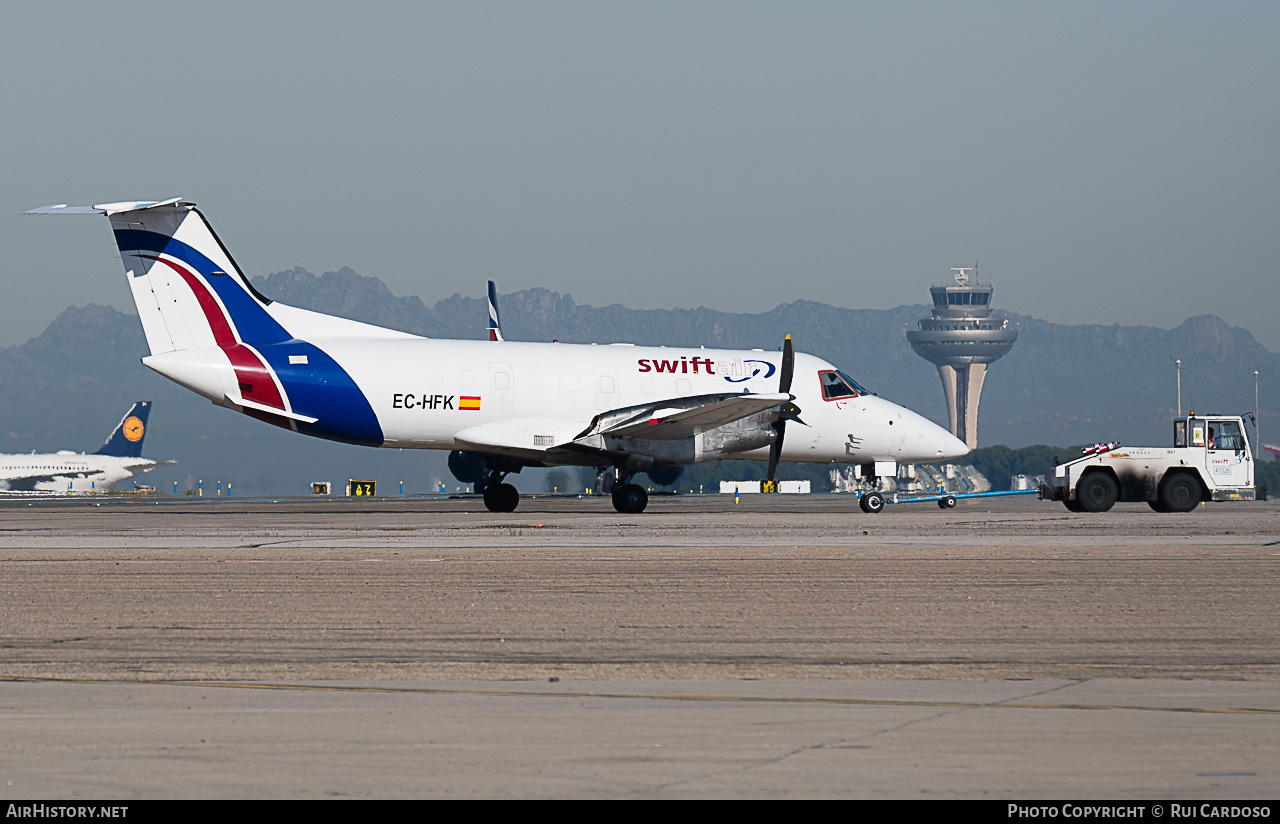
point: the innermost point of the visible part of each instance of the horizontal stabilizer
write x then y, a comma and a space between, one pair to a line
104, 208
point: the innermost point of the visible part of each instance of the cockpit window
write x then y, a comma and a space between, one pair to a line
836, 385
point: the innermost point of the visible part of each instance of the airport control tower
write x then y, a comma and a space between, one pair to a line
961, 338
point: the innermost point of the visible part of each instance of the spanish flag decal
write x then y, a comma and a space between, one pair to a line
469, 402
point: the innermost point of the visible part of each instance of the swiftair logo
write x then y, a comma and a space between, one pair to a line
734, 371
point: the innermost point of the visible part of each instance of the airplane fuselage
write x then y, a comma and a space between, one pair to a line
67, 471
522, 398
513, 404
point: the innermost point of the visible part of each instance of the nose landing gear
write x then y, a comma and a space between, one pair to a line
872, 503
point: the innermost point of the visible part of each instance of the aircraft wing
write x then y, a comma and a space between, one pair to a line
559, 441
679, 418
149, 465
27, 483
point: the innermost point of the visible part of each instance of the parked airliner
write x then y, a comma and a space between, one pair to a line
119, 458
500, 405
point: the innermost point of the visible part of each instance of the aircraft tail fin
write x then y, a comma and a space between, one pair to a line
189, 291
209, 330
125, 440
495, 325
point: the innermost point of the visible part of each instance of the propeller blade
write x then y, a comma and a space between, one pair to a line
788, 365
775, 450
789, 411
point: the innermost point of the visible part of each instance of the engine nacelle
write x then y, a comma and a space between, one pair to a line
665, 475
467, 467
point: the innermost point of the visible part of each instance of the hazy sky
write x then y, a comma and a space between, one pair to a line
1109, 162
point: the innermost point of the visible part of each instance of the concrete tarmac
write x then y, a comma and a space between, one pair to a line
788, 646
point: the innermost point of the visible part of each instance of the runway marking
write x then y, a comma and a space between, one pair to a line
857, 702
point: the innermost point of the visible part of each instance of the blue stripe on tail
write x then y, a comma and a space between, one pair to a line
249, 316
320, 388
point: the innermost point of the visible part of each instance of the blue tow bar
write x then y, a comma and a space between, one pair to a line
946, 500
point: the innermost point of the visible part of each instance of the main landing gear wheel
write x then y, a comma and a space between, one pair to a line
630, 499
947, 502
501, 498
872, 503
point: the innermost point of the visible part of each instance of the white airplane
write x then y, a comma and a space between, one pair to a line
119, 458
500, 406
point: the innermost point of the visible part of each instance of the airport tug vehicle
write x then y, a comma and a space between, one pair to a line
1210, 460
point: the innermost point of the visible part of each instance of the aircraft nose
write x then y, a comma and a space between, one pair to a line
935, 443
948, 445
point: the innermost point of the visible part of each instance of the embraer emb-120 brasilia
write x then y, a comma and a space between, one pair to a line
497, 405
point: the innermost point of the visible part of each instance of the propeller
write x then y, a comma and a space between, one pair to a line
788, 411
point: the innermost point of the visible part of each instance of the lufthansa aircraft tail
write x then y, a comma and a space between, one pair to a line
126, 440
